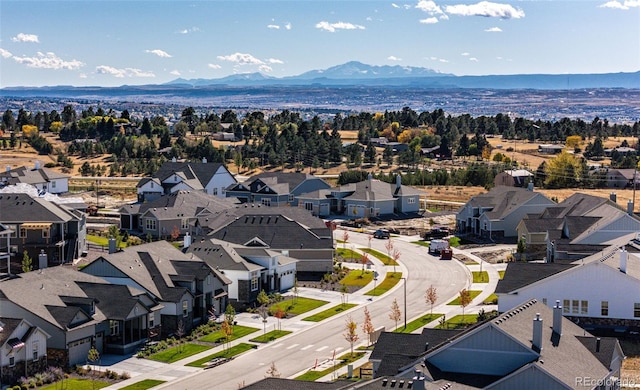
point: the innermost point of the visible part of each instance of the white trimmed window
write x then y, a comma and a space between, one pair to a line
151, 320
35, 349
215, 190
604, 308
411, 200
12, 361
566, 306
584, 307
150, 224
23, 233
266, 202
184, 224
46, 233
254, 282
308, 206
185, 308
291, 198
636, 310
114, 327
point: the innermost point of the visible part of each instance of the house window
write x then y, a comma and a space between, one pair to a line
150, 224
215, 190
604, 308
14, 231
544, 301
411, 200
23, 233
574, 306
566, 306
208, 279
35, 350
291, 198
184, 224
266, 202
254, 282
185, 308
636, 310
12, 361
53, 184
584, 307
152, 320
151, 185
114, 327
308, 206
45, 233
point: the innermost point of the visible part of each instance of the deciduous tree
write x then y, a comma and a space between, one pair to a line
351, 332
395, 314
465, 300
367, 325
431, 296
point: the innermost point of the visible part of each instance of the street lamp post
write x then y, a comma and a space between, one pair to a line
405, 301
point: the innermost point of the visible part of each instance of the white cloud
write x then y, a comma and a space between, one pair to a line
443, 60
31, 38
5, 53
394, 58
189, 30
83, 76
623, 5
493, 29
241, 59
159, 53
123, 72
48, 61
265, 68
432, 20
273, 26
275, 61
175, 73
287, 26
214, 66
486, 9
465, 54
429, 7
473, 59
394, 5
333, 27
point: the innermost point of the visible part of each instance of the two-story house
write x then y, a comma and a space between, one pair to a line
44, 179
23, 350
276, 188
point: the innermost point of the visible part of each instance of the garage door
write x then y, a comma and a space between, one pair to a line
78, 351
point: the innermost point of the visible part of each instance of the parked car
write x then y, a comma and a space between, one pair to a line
436, 246
437, 232
381, 233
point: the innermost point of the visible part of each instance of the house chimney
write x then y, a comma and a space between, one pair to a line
598, 344
630, 207
37, 164
204, 160
426, 346
187, 241
8, 168
537, 333
398, 181
530, 186
623, 260
370, 176
418, 380
613, 197
557, 318
42, 260
112, 245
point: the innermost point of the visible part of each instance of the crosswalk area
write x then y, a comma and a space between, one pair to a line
309, 347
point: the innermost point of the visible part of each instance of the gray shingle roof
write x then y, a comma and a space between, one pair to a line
221, 255
185, 204
8, 326
520, 274
31, 175
203, 172
20, 208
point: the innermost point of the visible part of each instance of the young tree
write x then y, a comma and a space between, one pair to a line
272, 371
465, 300
263, 298
295, 289
364, 259
93, 356
27, 262
351, 332
227, 330
389, 246
345, 238
344, 290
367, 325
230, 314
175, 233
431, 296
396, 257
395, 314
180, 332
279, 314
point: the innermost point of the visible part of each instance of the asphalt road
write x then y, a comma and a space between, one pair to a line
299, 351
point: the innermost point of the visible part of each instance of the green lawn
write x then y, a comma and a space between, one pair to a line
144, 384
501, 273
342, 361
274, 334
357, 278
422, 243
459, 322
329, 312
419, 323
238, 331
389, 281
178, 352
472, 293
77, 384
347, 253
231, 352
491, 300
480, 277
386, 260
102, 241
297, 306
454, 242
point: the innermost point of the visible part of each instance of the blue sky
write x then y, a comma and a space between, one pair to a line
108, 43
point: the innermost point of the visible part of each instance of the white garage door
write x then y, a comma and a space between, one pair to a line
78, 351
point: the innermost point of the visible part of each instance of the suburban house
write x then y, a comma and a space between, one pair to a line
550, 148
292, 232
172, 176
171, 214
529, 346
601, 291
5, 249
187, 289
275, 188
366, 199
44, 179
624, 150
23, 350
250, 269
496, 214
513, 178
576, 227
622, 178
77, 311
51, 233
